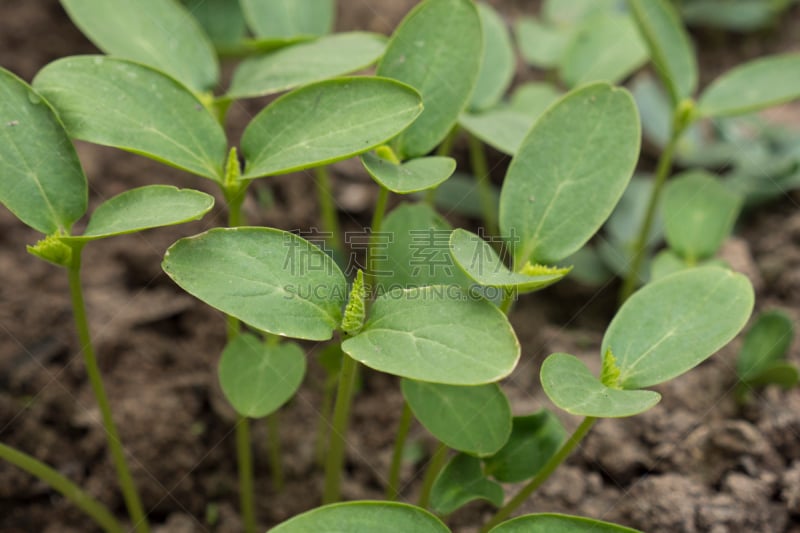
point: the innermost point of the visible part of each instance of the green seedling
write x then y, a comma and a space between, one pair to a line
43, 184
756, 85
739, 16
763, 358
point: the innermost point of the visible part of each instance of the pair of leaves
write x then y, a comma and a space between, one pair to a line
43, 184
662, 331
373, 517
750, 87
126, 105
282, 284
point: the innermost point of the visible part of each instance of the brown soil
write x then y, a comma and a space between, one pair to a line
696, 462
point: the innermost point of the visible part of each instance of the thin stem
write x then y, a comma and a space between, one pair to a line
508, 301
444, 150
129, 492
274, 444
330, 220
434, 467
97, 511
375, 228
392, 490
663, 170
328, 390
341, 415
245, 463
549, 467
477, 159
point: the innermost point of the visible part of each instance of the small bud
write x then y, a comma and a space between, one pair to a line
385, 152
543, 270
355, 311
609, 376
53, 249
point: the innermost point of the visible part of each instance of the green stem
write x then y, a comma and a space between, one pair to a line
97, 511
375, 228
341, 415
330, 219
549, 467
663, 170
129, 492
328, 390
245, 463
444, 150
274, 443
508, 301
480, 167
435, 466
403, 427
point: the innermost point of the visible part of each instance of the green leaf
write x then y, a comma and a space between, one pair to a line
475, 420
441, 61
222, 20
271, 279
41, 179
753, 86
673, 324
566, 12
285, 19
569, 173
699, 212
460, 482
670, 47
765, 344
412, 176
506, 125
785, 375
568, 383
326, 122
534, 440
258, 377
558, 523
118, 103
739, 15
608, 48
459, 194
626, 219
498, 63
304, 63
481, 263
666, 262
437, 334
542, 45
158, 33
152, 206
363, 517
411, 250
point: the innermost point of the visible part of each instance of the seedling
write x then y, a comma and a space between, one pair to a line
763, 357
43, 184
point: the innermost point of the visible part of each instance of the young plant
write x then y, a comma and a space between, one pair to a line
747, 88
43, 184
763, 358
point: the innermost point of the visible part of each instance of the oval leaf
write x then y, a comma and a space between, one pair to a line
476, 420
363, 517
436, 334
222, 20
411, 250
460, 482
558, 523
670, 47
258, 377
480, 262
154, 32
498, 63
287, 19
304, 63
569, 12
118, 103
765, 344
441, 61
569, 173
146, 207
271, 279
673, 324
326, 122
753, 86
699, 212
534, 440
541, 45
568, 383
666, 262
609, 48
412, 176
41, 179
